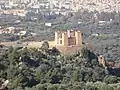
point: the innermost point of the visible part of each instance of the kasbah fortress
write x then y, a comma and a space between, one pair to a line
67, 42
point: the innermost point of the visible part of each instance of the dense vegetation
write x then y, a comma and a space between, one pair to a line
44, 69
47, 69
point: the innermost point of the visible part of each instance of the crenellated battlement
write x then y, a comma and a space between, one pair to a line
70, 37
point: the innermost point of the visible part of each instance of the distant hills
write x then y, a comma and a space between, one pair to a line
99, 5
92, 5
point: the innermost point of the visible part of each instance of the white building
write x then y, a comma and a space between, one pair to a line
22, 33
48, 24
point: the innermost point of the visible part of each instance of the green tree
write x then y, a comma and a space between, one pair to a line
52, 87
106, 87
41, 87
76, 75
110, 79
45, 46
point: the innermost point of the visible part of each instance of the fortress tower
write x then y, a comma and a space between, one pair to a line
69, 41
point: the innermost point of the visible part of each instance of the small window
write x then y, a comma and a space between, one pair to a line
60, 41
101, 58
